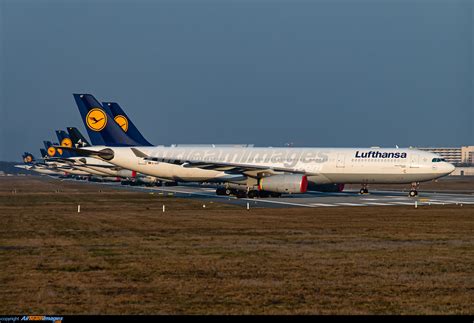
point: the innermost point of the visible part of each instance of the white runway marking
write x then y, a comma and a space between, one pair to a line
402, 203
322, 204
403, 198
376, 203
351, 204
451, 201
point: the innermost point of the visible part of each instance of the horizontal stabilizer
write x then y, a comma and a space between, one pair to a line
139, 153
106, 153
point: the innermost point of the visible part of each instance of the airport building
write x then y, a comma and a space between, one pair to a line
454, 155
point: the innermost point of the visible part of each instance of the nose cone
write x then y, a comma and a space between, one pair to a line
448, 168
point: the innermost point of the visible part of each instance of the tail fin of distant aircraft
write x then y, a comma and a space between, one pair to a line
51, 151
47, 144
78, 140
64, 138
126, 123
99, 123
65, 141
28, 158
43, 153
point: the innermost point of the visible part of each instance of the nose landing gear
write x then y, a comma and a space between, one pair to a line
364, 189
414, 189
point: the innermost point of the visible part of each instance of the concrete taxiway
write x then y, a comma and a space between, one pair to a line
350, 198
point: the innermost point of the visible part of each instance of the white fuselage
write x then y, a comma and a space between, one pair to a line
55, 165
100, 168
321, 165
41, 170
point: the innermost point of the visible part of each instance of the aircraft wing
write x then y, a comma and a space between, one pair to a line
23, 166
111, 167
62, 159
229, 168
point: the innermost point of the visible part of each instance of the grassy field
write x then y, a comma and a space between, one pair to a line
123, 255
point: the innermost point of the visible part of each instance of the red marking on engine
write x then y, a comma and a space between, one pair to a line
304, 184
340, 187
134, 174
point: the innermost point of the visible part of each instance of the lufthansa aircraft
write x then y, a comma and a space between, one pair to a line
254, 171
95, 165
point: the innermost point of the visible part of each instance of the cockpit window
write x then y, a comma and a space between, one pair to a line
437, 160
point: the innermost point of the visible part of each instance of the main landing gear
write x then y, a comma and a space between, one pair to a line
223, 191
364, 189
245, 194
414, 189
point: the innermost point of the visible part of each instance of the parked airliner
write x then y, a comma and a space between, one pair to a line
253, 171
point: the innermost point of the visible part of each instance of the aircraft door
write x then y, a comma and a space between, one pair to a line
414, 161
340, 163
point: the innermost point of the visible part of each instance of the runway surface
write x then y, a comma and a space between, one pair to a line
311, 199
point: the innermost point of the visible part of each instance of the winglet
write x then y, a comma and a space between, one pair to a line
139, 153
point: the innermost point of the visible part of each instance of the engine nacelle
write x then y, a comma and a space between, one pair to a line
295, 184
148, 180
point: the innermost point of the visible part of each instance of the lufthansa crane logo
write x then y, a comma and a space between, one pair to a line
51, 151
96, 119
122, 122
66, 142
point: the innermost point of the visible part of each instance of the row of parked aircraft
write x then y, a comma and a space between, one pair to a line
117, 150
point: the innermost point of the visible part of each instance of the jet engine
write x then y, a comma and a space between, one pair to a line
293, 184
144, 180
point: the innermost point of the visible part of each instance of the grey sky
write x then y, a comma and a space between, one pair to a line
315, 73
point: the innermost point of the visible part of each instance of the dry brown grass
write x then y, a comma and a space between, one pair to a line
121, 254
